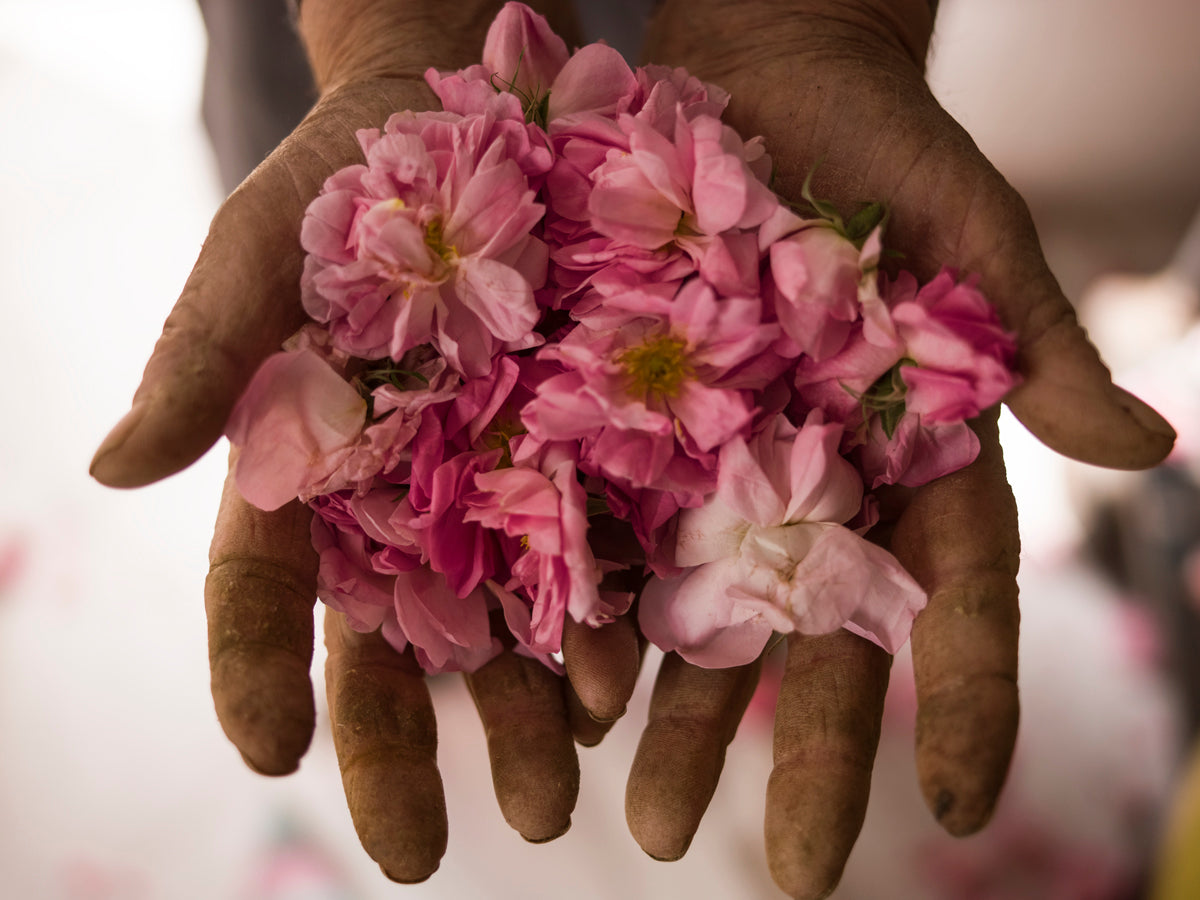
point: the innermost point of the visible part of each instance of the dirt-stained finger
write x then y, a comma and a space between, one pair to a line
827, 723
535, 770
259, 598
959, 539
694, 714
385, 735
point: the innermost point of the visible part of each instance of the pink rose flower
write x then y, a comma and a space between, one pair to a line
653, 399
693, 190
524, 58
768, 552
378, 586
346, 579
817, 278
555, 569
429, 242
911, 375
964, 357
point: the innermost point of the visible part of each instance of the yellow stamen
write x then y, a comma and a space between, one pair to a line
435, 241
659, 366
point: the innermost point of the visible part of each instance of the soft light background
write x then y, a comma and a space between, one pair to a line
115, 781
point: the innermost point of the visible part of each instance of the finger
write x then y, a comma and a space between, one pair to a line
959, 539
602, 666
827, 723
694, 714
385, 736
242, 298
259, 598
535, 771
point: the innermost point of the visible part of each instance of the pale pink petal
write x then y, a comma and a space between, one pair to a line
825, 486
711, 416
661, 161
694, 617
498, 295
494, 210
708, 533
326, 224
624, 205
293, 423
595, 79
438, 622
865, 583
745, 488
523, 51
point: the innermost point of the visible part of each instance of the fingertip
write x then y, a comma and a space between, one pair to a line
602, 666
963, 755
277, 767
417, 876
548, 835
1150, 420
959, 816
267, 713
110, 466
1069, 402
662, 841
806, 862
587, 731
149, 444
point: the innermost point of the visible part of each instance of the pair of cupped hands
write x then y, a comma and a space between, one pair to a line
839, 83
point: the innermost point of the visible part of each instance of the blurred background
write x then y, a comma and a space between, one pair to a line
115, 779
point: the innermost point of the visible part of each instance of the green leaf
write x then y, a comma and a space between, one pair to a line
890, 417
863, 222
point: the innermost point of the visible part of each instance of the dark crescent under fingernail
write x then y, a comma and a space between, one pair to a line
943, 804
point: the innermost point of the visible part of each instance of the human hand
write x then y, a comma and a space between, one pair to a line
840, 87
239, 304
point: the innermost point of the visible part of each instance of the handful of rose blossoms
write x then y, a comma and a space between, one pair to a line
569, 307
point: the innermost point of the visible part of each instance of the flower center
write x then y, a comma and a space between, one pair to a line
436, 242
659, 366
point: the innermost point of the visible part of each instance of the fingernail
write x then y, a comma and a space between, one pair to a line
607, 720
269, 771
675, 857
108, 467
1144, 415
405, 879
548, 839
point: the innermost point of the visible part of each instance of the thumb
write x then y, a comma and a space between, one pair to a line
1068, 399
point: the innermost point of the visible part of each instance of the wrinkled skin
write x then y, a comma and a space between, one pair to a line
847, 91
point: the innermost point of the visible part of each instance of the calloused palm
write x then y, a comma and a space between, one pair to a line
838, 87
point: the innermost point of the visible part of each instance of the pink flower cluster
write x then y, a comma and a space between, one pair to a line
568, 308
